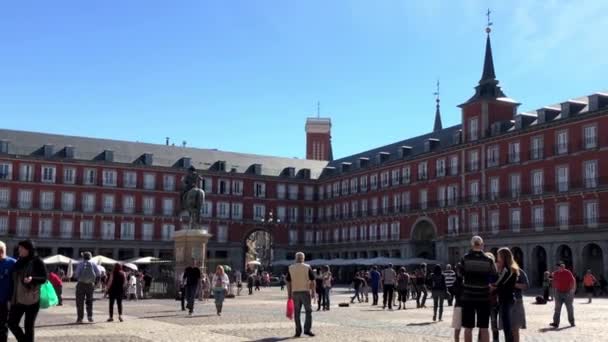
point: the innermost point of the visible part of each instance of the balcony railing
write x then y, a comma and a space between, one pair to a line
536, 153
589, 143
514, 158
561, 149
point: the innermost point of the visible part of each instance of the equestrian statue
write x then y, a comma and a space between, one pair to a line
192, 197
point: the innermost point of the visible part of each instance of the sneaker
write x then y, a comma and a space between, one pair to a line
297, 335
555, 325
309, 333
572, 324
79, 321
90, 319
110, 319
120, 318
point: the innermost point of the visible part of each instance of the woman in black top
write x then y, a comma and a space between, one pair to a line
29, 273
505, 288
319, 288
438, 289
116, 290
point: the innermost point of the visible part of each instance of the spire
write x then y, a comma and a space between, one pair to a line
437, 126
488, 63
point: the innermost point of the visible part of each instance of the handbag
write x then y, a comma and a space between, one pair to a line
290, 309
48, 297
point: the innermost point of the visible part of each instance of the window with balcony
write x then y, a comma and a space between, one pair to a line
222, 234
452, 194
48, 174
293, 237
515, 184
281, 191
45, 227
385, 204
3, 225
328, 191
453, 165
453, 225
127, 231
168, 209
384, 178
536, 148
561, 142
237, 187
590, 136
515, 220
336, 235
309, 193
237, 211
47, 200
147, 231
336, 211
405, 200
259, 190
86, 229
474, 223
344, 187
308, 214
474, 191
90, 177
319, 237
473, 129
493, 157
293, 191
395, 231
406, 175
494, 221
5, 196
108, 203
148, 205
441, 196
364, 207
373, 181
590, 169
207, 185
69, 175
259, 212
363, 183
354, 208
282, 213
440, 167
88, 202
167, 232
107, 230
423, 199
308, 237
223, 210
514, 152
537, 182
353, 233
207, 209
345, 210
396, 177
129, 179
25, 199
494, 188
423, 171
109, 178
538, 218
24, 226
128, 204
373, 232
562, 178
26, 173
374, 206
562, 210
473, 160
150, 181
383, 231
293, 214
169, 183
344, 234
362, 232
591, 214
396, 203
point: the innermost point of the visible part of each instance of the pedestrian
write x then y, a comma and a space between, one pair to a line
6, 289
403, 281
327, 285
205, 287
87, 273
132, 286
258, 282
116, 289
477, 270
357, 284
250, 281
450, 277
421, 291
29, 273
220, 284
438, 291
603, 286
182, 291
375, 277
140, 285
192, 278
300, 288
589, 282
564, 285
547, 286
518, 312
318, 287
493, 303
457, 289
508, 271
389, 276
147, 284
57, 283
282, 282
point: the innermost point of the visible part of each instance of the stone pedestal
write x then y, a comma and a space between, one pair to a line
190, 245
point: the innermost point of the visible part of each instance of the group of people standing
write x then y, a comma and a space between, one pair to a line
191, 285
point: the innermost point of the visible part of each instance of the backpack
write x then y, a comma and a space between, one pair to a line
87, 274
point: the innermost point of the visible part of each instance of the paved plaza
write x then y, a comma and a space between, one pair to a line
261, 317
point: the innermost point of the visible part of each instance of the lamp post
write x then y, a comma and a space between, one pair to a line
265, 249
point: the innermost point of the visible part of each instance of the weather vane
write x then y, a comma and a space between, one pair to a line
436, 93
488, 29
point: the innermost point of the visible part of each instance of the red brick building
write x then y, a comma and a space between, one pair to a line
531, 181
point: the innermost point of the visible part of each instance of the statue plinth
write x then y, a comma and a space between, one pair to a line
190, 244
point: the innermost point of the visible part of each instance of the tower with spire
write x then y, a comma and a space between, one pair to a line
489, 105
437, 126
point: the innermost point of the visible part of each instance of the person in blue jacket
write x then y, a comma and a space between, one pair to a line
6, 289
375, 284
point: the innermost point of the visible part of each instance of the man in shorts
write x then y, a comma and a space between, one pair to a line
477, 271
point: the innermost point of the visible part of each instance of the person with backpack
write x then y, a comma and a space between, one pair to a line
438, 290
86, 274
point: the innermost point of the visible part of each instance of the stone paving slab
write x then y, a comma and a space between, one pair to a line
261, 317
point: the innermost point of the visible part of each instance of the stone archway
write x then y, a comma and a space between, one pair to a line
423, 239
518, 255
564, 253
258, 246
539, 266
593, 259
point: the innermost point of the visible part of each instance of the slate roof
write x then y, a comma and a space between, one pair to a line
31, 143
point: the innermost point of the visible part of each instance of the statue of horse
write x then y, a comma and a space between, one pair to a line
193, 202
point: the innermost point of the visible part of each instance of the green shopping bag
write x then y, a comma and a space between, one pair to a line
48, 297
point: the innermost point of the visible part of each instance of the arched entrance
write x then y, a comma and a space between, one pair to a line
593, 259
258, 248
564, 253
518, 255
539, 266
423, 239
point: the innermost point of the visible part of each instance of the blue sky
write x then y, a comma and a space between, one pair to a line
244, 75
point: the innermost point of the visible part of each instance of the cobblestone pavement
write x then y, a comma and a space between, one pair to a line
261, 317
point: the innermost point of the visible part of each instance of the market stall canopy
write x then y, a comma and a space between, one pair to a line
59, 259
380, 261
131, 266
146, 261
254, 262
103, 260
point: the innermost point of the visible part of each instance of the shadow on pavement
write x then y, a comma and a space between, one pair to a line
273, 339
420, 324
544, 330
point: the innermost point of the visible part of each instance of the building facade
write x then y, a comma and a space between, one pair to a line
535, 182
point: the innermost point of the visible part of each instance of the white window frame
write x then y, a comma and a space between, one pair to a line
25, 198
473, 128
561, 141
494, 216
440, 167
385, 179
373, 181
494, 188
562, 178
259, 212
148, 205
149, 181
474, 191
473, 160
90, 176
168, 210
237, 187
423, 171
281, 191
5, 197
493, 157
48, 173
147, 231
129, 179
423, 199
395, 177
406, 175
515, 184
69, 175
109, 177
590, 136
474, 222
24, 226
108, 230
167, 231
590, 173
537, 147
87, 229
127, 231
309, 193
293, 191
169, 182
222, 233
128, 204
395, 231
3, 225
538, 186
26, 173
562, 215
88, 202
259, 190
515, 219
223, 210
590, 213
237, 211
453, 228
47, 200
363, 183
45, 227
454, 165
514, 152
109, 203
538, 218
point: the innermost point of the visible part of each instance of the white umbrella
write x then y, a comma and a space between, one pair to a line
103, 260
146, 261
254, 262
59, 259
131, 266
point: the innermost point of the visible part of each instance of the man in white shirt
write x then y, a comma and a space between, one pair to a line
301, 288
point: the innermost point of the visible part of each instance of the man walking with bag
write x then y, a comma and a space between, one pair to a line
86, 274
301, 288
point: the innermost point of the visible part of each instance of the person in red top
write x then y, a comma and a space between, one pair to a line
565, 285
589, 282
55, 280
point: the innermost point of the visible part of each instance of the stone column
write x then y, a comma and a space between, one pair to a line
190, 245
